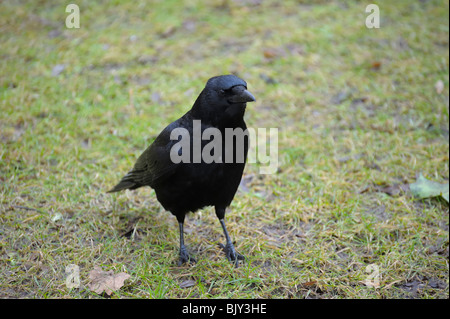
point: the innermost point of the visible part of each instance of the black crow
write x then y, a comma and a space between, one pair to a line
187, 182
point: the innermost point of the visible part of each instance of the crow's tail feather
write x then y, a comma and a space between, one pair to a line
125, 183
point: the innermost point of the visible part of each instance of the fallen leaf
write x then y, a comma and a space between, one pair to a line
187, 283
393, 190
273, 53
106, 281
168, 32
376, 65
309, 284
424, 188
270, 54
439, 86
369, 283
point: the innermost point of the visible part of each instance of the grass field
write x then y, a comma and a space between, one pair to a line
360, 113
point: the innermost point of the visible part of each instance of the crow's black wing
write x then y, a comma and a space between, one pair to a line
154, 164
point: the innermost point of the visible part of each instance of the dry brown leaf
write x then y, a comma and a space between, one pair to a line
273, 53
270, 54
370, 283
393, 190
376, 65
106, 281
309, 284
168, 32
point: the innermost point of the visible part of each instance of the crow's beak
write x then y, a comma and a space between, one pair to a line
241, 95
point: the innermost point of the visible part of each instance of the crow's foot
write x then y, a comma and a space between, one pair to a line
232, 254
185, 258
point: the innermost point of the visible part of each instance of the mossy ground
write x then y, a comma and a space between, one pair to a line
358, 114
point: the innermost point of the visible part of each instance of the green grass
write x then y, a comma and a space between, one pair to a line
356, 108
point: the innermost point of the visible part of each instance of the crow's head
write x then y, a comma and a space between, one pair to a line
224, 97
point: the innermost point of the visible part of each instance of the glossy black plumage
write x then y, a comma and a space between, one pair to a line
187, 187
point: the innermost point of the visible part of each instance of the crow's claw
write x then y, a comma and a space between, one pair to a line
232, 254
185, 258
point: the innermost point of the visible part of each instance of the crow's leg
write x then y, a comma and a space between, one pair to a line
229, 249
184, 255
